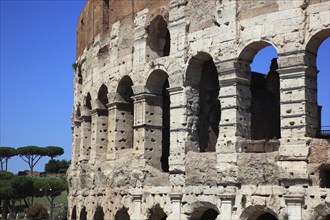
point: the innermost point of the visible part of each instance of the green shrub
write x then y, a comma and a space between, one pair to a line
37, 212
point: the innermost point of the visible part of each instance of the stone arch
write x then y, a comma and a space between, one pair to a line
102, 97
100, 122
201, 81
88, 101
74, 213
122, 214
78, 112
258, 212
324, 175
83, 213
158, 39
264, 92
86, 122
204, 211
156, 213
310, 59
99, 214
313, 45
159, 105
321, 212
122, 109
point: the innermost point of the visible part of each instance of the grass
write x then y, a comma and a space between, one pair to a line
61, 199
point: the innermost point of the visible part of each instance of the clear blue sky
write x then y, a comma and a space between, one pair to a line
38, 40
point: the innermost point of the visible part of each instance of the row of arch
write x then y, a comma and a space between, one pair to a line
256, 212
202, 86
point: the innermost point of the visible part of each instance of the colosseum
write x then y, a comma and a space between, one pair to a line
170, 122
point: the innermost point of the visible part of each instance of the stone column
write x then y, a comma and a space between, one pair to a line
76, 139
294, 204
235, 101
99, 135
137, 215
139, 55
178, 134
235, 122
85, 143
120, 125
226, 207
176, 207
148, 127
298, 91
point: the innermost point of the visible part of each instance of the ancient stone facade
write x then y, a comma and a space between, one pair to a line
169, 121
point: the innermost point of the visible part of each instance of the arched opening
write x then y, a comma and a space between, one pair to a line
266, 216
86, 127
202, 82
99, 214
204, 213
122, 214
265, 89
157, 213
124, 114
80, 77
100, 122
83, 214
78, 112
103, 97
159, 39
74, 213
326, 217
324, 174
88, 101
316, 58
106, 12
159, 105
258, 212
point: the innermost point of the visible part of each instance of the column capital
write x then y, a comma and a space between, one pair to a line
293, 199
227, 198
175, 196
99, 112
144, 95
177, 89
85, 118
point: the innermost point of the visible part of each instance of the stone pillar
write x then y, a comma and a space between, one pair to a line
76, 139
235, 122
178, 135
176, 207
99, 135
298, 92
139, 55
137, 215
148, 127
235, 101
120, 125
226, 207
294, 204
85, 143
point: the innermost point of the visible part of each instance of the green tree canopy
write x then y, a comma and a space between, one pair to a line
50, 188
6, 191
57, 166
54, 151
5, 154
24, 188
31, 155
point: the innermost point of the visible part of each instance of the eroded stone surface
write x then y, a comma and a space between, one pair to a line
169, 121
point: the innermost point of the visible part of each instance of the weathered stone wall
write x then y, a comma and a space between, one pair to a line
169, 122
